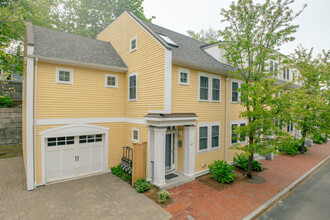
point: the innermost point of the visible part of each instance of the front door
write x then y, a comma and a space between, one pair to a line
169, 152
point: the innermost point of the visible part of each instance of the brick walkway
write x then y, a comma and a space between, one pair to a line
236, 202
97, 197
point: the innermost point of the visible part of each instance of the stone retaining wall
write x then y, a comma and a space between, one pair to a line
12, 89
10, 125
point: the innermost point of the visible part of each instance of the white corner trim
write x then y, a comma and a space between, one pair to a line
29, 124
130, 47
71, 121
30, 50
106, 81
137, 85
57, 80
183, 70
168, 82
133, 139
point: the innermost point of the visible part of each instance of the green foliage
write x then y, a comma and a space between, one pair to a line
6, 101
141, 185
290, 145
208, 36
163, 195
118, 171
242, 162
221, 171
318, 138
152, 191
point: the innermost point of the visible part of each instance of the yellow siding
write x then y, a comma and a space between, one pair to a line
185, 100
86, 98
148, 61
180, 150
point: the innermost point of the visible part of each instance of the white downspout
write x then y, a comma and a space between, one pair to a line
34, 123
226, 118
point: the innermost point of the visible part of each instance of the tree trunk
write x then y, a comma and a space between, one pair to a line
249, 171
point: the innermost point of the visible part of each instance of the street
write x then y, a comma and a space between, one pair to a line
311, 200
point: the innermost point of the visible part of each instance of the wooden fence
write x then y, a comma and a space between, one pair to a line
139, 161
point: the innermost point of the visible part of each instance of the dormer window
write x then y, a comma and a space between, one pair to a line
168, 40
133, 44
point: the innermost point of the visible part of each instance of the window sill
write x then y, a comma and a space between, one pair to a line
132, 100
65, 83
131, 51
183, 84
208, 150
114, 87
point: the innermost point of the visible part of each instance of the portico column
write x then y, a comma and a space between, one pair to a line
159, 156
150, 153
189, 150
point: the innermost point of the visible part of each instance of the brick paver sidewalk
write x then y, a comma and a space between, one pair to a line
238, 201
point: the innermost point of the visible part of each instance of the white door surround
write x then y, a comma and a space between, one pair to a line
73, 130
157, 146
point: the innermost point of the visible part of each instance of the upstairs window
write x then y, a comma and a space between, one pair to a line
111, 81
135, 134
275, 68
235, 95
183, 77
271, 66
133, 45
209, 88
286, 74
132, 87
64, 76
168, 40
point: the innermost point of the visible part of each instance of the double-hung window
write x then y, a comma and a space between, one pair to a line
208, 136
235, 95
275, 68
64, 76
184, 77
290, 127
135, 134
236, 138
209, 87
132, 87
133, 44
111, 81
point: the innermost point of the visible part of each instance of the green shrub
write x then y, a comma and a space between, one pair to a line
242, 162
318, 138
163, 195
290, 146
221, 171
141, 185
152, 191
5, 101
118, 171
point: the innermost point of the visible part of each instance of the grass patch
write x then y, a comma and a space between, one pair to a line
14, 150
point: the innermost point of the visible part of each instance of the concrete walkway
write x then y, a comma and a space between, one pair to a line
97, 197
236, 202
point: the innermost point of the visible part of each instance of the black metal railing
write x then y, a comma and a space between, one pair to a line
127, 160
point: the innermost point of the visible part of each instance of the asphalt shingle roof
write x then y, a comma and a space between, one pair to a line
189, 49
54, 44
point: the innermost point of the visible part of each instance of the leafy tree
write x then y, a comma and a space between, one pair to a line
89, 18
208, 36
310, 101
254, 33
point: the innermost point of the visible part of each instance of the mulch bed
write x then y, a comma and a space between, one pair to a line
154, 197
241, 175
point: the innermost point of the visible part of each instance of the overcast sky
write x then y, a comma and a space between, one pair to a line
183, 15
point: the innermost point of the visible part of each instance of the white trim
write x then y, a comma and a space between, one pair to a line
73, 130
138, 131
209, 126
226, 119
136, 94
57, 80
168, 82
231, 90
29, 124
238, 123
30, 50
183, 70
79, 64
65, 121
106, 81
210, 87
130, 45
34, 119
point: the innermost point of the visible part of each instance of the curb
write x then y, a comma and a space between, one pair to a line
284, 192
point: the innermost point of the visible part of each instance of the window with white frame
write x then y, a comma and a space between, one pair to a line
235, 138
132, 87
286, 73
183, 77
209, 87
208, 136
235, 95
135, 134
275, 68
64, 76
290, 127
133, 44
111, 81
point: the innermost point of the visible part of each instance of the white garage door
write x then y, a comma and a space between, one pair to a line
73, 156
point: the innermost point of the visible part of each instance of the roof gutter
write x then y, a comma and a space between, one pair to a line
79, 64
203, 67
